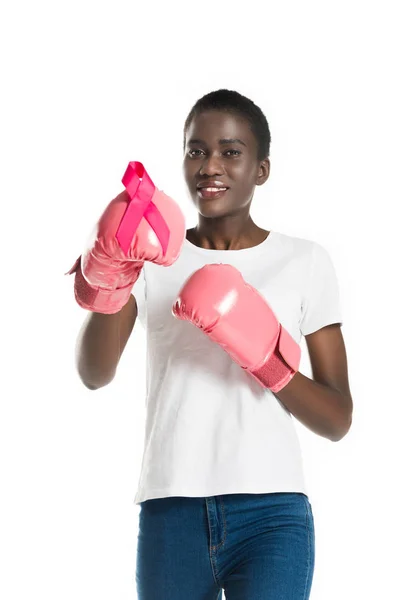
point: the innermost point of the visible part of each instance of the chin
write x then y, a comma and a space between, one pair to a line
212, 209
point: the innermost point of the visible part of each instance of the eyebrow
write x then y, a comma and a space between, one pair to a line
223, 141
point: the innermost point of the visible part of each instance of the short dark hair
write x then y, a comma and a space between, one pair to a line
233, 102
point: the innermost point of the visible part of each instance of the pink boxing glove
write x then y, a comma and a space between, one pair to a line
141, 223
236, 316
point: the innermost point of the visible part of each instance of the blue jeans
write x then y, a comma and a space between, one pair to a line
252, 546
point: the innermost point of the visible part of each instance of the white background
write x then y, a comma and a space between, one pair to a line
89, 86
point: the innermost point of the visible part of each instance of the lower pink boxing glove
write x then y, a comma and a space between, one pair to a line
142, 223
236, 316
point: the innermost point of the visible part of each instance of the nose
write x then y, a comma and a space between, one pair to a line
211, 165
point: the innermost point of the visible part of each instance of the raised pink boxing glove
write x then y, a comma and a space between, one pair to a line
142, 223
236, 316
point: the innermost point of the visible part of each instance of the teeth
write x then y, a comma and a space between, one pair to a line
210, 189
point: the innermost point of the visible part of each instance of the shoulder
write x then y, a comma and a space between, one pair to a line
298, 247
302, 245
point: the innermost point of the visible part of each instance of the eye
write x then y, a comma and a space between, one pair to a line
237, 152
191, 152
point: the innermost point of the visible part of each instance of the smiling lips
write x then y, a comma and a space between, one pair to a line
211, 192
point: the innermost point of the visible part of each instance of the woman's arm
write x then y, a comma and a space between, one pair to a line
324, 403
101, 342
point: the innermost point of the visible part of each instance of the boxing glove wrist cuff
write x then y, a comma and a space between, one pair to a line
98, 299
281, 366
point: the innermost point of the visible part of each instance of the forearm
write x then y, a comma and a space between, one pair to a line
98, 349
324, 410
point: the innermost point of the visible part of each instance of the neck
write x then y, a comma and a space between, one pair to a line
229, 233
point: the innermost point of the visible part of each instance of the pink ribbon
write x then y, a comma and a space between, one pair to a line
141, 190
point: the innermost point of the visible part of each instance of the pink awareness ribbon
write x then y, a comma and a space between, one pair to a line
141, 190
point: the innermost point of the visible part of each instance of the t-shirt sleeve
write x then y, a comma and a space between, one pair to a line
139, 291
321, 301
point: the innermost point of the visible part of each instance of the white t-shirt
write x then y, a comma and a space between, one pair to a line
211, 428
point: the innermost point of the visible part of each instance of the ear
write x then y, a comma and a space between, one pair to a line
263, 172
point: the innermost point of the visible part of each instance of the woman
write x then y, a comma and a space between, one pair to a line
223, 503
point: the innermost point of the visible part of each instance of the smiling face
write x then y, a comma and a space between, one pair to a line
220, 147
